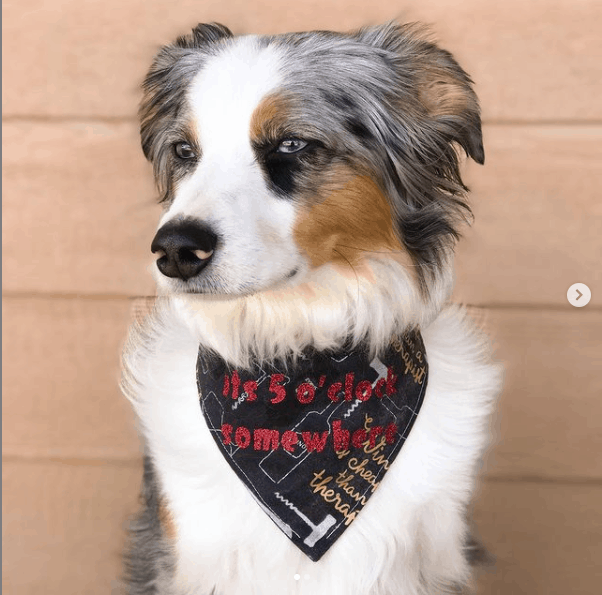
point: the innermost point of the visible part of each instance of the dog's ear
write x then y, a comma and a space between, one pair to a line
443, 89
431, 111
181, 53
164, 89
446, 92
204, 34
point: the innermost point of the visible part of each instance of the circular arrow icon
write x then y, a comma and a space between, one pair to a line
579, 295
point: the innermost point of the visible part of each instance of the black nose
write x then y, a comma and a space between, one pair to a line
187, 248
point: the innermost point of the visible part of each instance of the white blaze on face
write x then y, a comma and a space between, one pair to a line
228, 191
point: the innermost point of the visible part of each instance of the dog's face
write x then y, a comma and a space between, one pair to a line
278, 155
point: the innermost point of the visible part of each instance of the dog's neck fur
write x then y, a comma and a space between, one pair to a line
418, 550
330, 307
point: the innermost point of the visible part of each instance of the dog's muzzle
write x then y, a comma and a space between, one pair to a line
185, 248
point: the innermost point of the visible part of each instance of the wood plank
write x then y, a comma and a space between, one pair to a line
82, 195
60, 380
63, 526
79, 210
546, 538
538, 217
547, 423
537, 60
546, 426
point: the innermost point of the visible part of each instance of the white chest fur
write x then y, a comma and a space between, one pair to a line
407, 539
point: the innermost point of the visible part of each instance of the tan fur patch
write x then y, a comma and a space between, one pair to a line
353, 220
166, 520
442, 94
269, 117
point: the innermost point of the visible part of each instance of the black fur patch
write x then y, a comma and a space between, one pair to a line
339, 101
358, 128
288, 173
281, 170
476, 554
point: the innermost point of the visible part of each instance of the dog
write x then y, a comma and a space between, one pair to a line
313, 409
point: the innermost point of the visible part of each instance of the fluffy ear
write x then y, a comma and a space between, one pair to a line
165, 89
204, 34
444, 91
431, 111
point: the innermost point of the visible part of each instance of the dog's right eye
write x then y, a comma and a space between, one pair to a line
291, 145
183, 150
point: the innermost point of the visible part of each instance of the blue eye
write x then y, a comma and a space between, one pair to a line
291, 145
184, 151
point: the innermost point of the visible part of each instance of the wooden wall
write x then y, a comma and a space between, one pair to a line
79, 216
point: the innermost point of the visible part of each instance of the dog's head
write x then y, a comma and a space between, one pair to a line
278, 156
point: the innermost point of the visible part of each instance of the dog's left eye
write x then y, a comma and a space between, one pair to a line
291, 145
184, 151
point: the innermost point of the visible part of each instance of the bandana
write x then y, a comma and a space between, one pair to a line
312, 440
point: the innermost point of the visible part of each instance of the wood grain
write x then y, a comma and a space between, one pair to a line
545, 538
538, 217
63, 526
79, 209
60, 381
548, 418
536, 60
82, 195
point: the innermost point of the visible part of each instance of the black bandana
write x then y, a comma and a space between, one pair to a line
313, 441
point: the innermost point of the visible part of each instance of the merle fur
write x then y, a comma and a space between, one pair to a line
149, 563
163, 110
361, 97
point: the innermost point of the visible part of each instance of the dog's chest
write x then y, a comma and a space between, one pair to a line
226, 543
